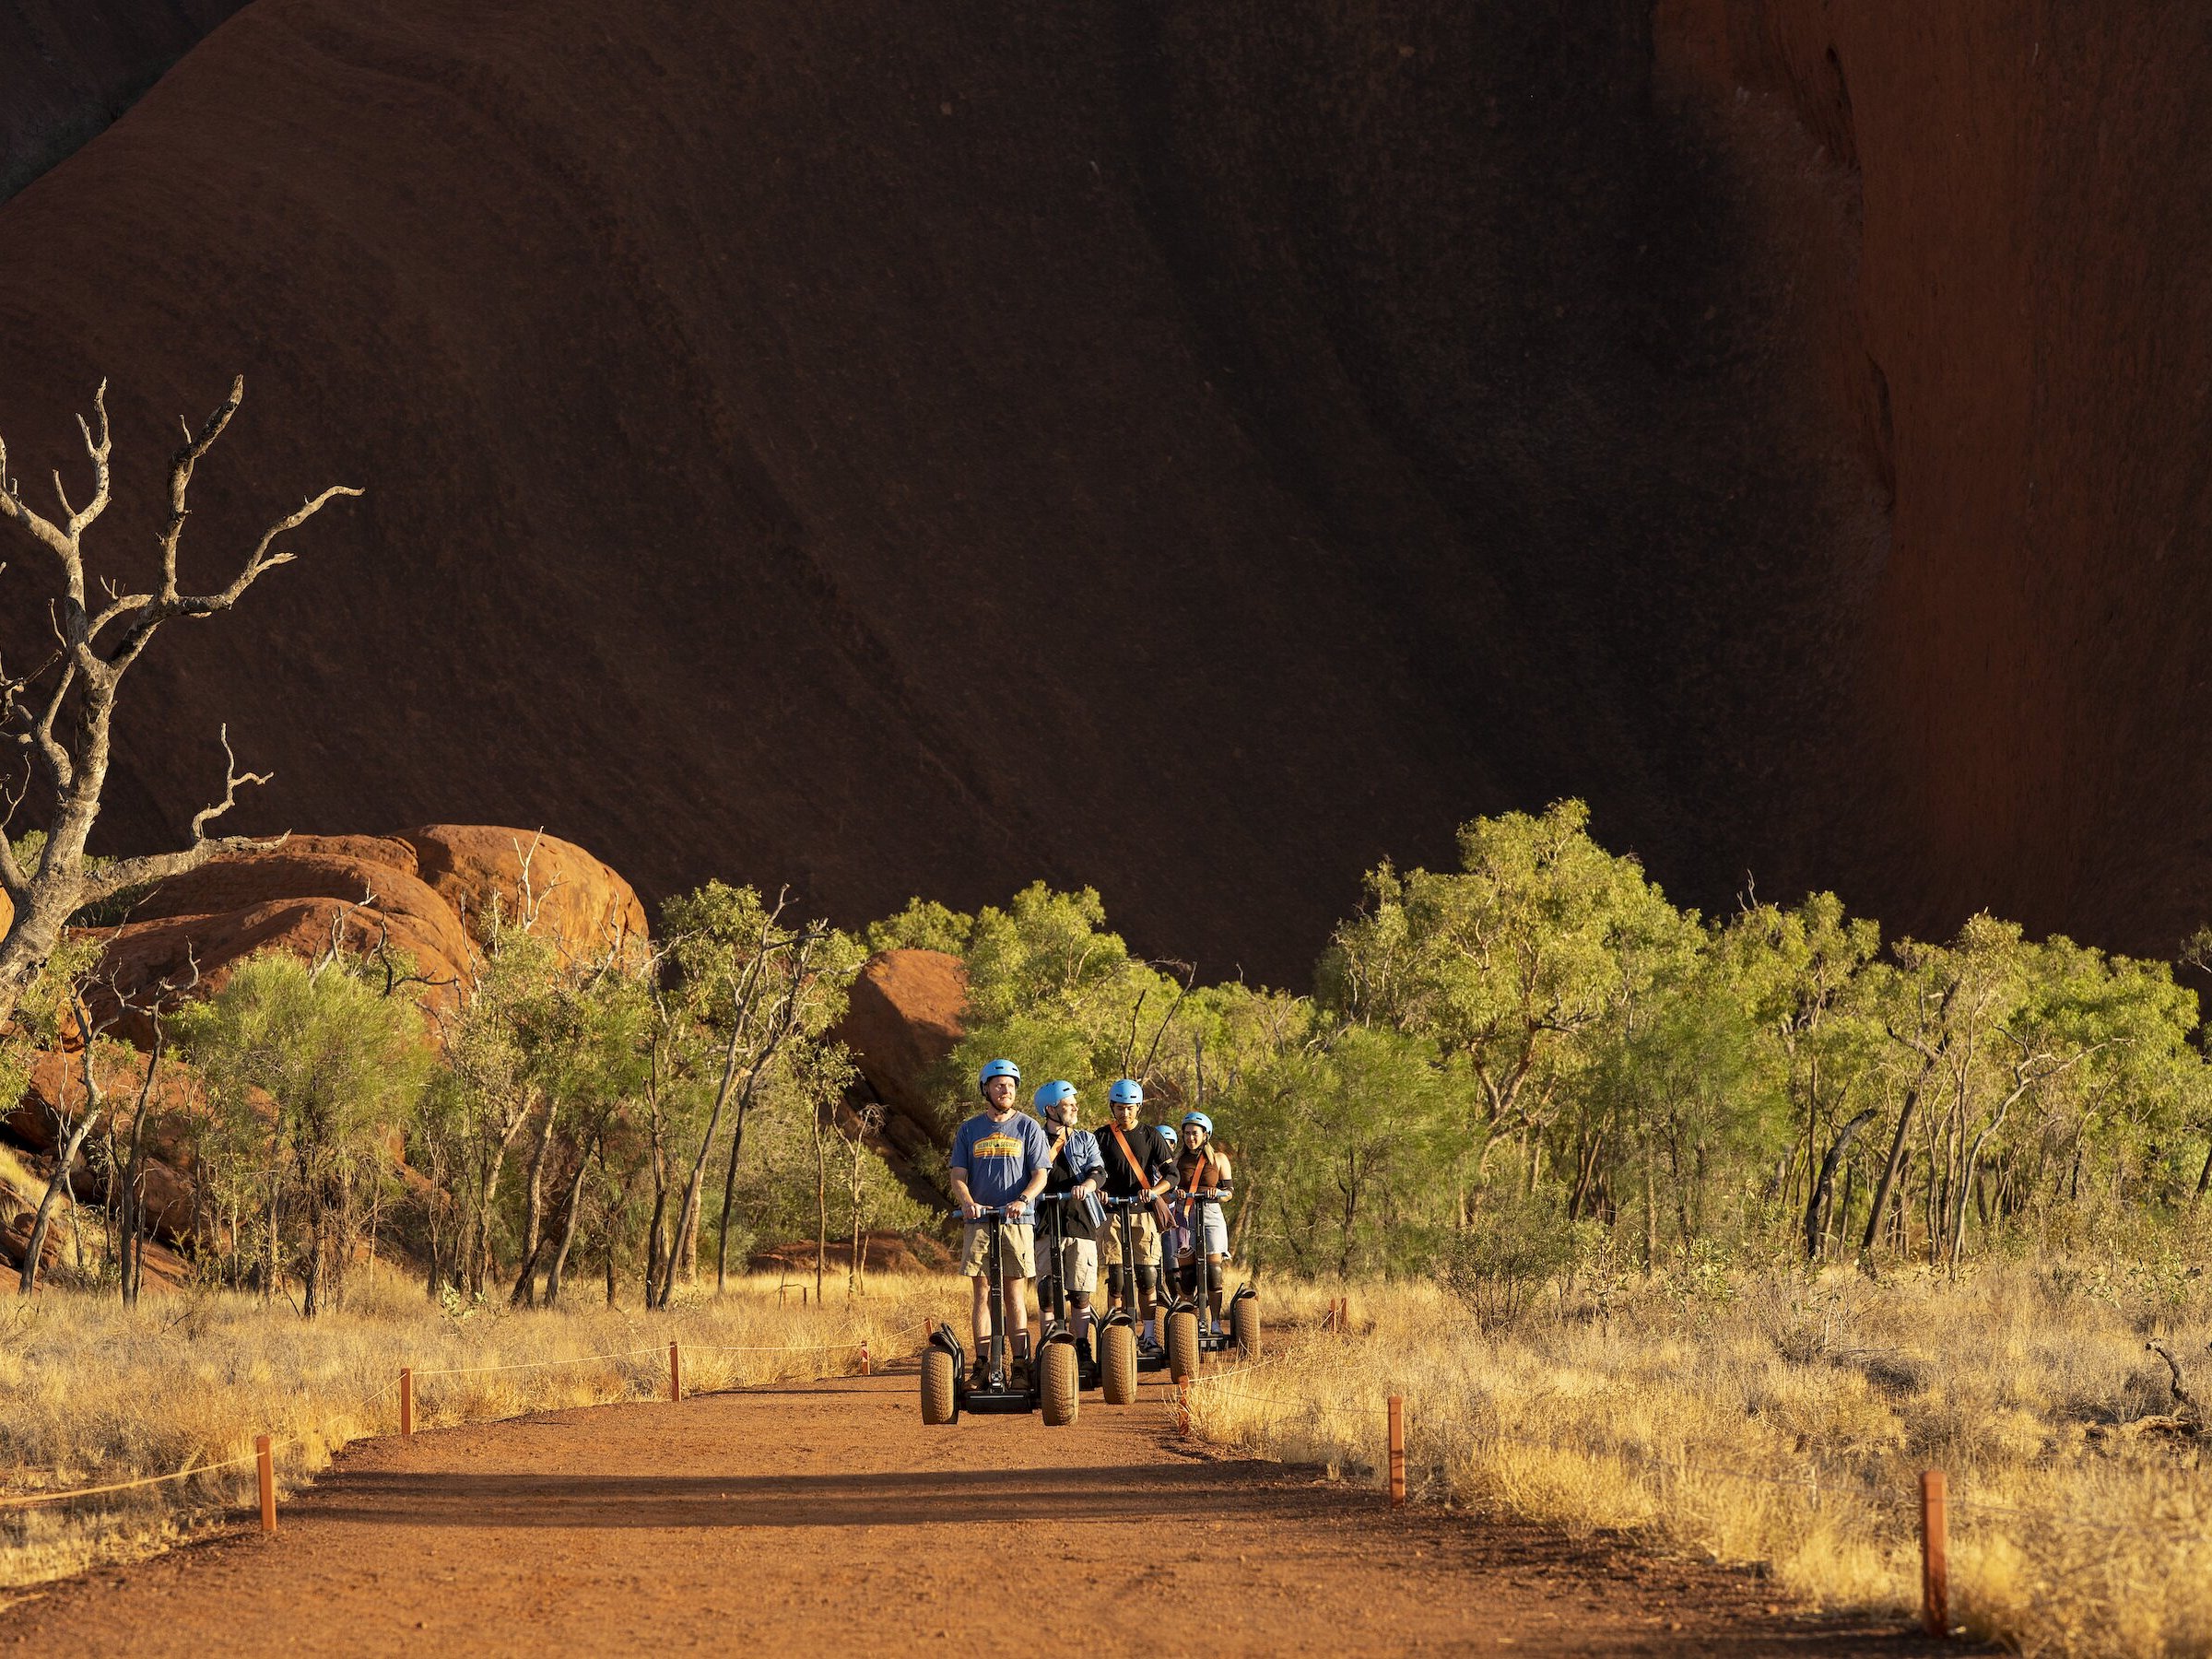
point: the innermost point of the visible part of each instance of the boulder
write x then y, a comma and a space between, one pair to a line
163, 1271
578, 901
177, 1105
199, 951
15, 1237
424, 894
903, 1017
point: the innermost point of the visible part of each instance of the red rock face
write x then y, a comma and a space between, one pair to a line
69, 68
902, 1017
1192, 452
364, 893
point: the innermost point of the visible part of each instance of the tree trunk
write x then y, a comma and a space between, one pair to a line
1816, 1207
28, 1281
1888, 1184
821, 1208
533, 1213
568, 1230
729, 1187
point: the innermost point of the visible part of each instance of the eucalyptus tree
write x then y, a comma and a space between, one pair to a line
60, 710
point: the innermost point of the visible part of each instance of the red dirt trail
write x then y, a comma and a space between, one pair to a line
826, 1518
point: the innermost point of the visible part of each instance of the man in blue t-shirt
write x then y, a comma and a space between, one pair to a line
1000, 1157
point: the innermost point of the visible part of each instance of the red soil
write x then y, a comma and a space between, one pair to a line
825, 1518
1195, 451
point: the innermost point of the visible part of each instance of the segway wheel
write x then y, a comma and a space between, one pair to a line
1183, 1346
1117, 1365
1062, 1385
938, 1401
1244, 1326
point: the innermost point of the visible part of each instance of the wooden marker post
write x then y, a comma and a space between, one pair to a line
1935, 1553
676, 1373
864, 1358
1183, 1406
1397, 1450
264, 1470
406, 1399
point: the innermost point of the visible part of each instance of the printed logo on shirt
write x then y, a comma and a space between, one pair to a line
999, 1145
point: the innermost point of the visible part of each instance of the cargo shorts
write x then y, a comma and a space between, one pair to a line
1079, 1265
1144, 1237
1021, 1253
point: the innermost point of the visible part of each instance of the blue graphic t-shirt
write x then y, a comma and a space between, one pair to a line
999, 1157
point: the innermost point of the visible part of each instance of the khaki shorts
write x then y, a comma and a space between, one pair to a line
1079, 1265
1144, 1236
1021, 1249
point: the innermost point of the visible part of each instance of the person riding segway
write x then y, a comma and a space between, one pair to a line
1203, 1180
1068, 1271
998, 1163
1140, 1172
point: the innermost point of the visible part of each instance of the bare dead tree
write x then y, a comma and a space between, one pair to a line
61, 712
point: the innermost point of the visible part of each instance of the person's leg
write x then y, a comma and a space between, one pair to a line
1080, 1264
974, 1245
1214, 1276
980, 1316
1021, 1268
1146, 1235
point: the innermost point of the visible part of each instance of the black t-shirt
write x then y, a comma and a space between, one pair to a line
1122, 1182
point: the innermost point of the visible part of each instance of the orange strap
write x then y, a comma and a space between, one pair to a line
1136, 1169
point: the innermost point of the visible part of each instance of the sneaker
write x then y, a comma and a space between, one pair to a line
979, 1375
1148, 1345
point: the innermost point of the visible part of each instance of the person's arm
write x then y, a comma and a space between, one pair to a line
1040, 1167
1092, 1175
969, 1209
1224, 1176
1160, 1174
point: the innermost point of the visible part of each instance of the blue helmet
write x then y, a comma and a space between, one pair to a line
1200, 1119
1165, 1133
1052, 1094
1127, 1092
998, 1068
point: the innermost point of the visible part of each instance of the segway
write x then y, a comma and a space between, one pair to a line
946, 1388
1060, 1358
1188, 1338
1120, 1357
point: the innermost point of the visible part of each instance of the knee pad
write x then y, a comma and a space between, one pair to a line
1080, 1301
1213, 1276
1146, 1278
1187, 1275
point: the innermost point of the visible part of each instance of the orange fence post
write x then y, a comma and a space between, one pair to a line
864, 1358
1397, 1450
264, 1470
1935, 1564
1183, 1406
406, 1399
676, 1373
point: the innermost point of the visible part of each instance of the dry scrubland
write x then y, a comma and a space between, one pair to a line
93, 1393
1772, 1418
1785, 1419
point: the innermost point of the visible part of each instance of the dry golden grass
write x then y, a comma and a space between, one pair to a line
91, 1393
1785, 1420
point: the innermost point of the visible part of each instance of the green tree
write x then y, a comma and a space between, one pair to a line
309, 1067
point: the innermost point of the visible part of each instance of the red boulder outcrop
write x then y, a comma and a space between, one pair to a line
901, 1019
424, 894
575, 899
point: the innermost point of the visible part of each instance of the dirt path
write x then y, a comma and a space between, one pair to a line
825, 1518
